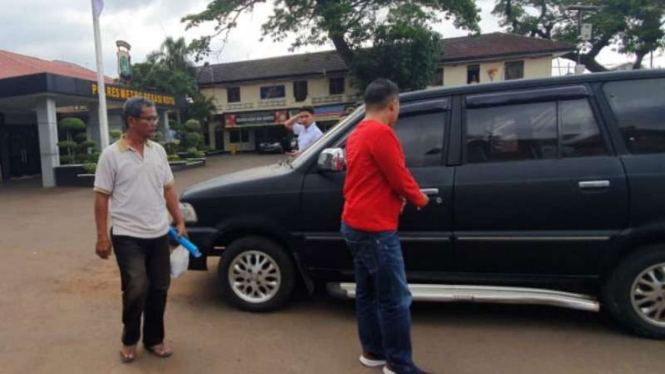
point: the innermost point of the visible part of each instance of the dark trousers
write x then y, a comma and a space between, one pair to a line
145, 272
383, 298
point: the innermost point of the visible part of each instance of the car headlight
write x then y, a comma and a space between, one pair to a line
188, 213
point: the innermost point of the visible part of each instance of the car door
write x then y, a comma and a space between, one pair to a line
540, 190
426, 234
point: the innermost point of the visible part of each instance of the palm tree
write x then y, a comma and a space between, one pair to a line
174, 54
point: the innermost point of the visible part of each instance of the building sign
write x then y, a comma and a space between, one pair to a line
121, 93
124, 61
255, 118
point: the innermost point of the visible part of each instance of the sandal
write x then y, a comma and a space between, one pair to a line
128, 354
160, 350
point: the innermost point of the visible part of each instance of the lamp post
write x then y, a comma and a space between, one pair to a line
580, 10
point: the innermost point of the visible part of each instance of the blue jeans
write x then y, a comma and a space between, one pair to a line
382, 295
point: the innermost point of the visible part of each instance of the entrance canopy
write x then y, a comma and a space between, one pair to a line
41, 96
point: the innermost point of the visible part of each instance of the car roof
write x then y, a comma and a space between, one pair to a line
530, 83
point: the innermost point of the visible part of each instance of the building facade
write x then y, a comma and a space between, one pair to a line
254, 97
36, 94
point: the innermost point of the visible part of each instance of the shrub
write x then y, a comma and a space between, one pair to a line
89, 167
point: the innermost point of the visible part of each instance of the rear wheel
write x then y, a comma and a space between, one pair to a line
634, 294
256, 274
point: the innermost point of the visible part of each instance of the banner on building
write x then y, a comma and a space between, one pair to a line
255, 119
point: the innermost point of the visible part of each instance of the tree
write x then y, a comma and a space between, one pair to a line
348, 24
155, 75
174, 54
202, 107
636, 26
404, 50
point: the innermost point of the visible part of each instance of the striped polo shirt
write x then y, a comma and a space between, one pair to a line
136, 185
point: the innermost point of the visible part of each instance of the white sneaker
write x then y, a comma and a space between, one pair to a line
386, 370
371, 362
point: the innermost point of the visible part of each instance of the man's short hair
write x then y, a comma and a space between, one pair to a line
307, 109
379, 93
133, 107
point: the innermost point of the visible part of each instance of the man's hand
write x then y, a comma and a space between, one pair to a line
103, 248
426, 202
182, 231
401, 211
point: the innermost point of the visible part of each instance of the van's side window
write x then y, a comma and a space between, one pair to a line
639, 107
580, 135
511, 133
421, 136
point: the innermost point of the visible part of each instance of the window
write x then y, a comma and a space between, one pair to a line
233, 94
511, 133
239, 136
336, 86
300, 90
473, 74
421, 136
514, 70
272, 92
639, 108
234, 136
438, 77
580, 135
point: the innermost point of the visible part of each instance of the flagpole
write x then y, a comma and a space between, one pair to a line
103, 114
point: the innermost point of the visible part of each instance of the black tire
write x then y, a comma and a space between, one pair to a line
246, 295
617, 292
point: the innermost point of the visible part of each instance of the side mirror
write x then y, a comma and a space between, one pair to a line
332, 159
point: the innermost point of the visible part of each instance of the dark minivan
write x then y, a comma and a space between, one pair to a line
545, 191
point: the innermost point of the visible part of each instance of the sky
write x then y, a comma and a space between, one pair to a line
62, 30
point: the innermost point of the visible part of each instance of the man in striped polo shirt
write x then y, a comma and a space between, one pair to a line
134, 179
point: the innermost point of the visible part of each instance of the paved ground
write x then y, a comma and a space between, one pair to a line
60, 313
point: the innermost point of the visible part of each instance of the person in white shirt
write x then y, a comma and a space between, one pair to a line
304, 127
134, 181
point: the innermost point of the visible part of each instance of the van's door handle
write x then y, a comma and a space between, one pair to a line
430, 191
590, 185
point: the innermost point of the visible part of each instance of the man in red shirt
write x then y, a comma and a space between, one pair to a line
376, 188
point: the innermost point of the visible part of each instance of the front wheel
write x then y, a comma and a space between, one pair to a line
256, 274
634, 294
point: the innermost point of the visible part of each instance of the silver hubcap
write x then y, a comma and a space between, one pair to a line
648, 295
254, 276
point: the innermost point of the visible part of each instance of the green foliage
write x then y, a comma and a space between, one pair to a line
174, 125
89, 167
203, 107
73, 125
634, 26
195, 153
173, 157
348, 24
404, 50
159, 77
84, 145
115, 134
67, 144
77, 144
193, 125
158, 136
171, 147
66, 160
192, 140
81, 137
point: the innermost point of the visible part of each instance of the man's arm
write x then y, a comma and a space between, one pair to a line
387, 153
103, 247
174, 208
291, 122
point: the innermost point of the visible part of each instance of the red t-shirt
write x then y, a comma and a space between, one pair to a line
376, 179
